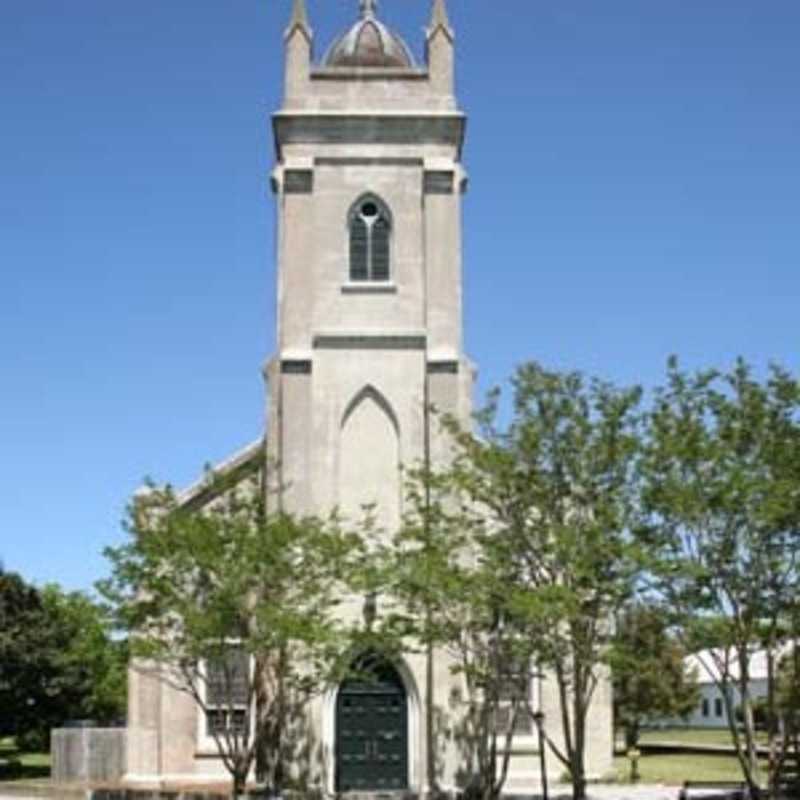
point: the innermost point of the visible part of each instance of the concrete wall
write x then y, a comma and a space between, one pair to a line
87, 755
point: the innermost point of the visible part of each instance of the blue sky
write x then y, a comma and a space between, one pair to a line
635, 191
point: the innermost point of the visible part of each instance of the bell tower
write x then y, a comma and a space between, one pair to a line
368, 184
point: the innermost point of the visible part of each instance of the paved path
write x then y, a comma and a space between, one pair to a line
45, 792
558, 792
608, 791
6, 795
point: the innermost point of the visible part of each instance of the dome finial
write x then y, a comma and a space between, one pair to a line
368, 8
369, 43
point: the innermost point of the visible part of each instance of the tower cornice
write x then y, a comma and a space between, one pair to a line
368, 127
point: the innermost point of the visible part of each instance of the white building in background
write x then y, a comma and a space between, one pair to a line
711, 710
368, 185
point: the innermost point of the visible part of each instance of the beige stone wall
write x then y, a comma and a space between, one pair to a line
88, 755
345, 91
599, 747
144, 704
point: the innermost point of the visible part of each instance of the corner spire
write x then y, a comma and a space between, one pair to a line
299, 14
299, 19
439, 19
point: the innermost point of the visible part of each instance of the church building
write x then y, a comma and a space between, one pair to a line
368, 185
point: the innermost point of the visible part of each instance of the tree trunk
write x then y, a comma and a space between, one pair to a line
751, 755
579, 732
430, 731
239, 784
261, 700
578, 777
772, 733
577, 766
631, 734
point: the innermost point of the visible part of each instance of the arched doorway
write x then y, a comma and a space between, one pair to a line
372, 728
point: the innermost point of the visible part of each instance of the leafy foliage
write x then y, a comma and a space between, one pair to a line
451, 586
57, 661
89, 658
721, 503
650, 678
26, 657
521, 554
194, 586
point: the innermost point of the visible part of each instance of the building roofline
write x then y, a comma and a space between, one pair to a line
245, 460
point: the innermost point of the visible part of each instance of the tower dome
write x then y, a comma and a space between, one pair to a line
369, 43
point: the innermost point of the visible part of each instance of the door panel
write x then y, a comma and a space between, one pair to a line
371, 737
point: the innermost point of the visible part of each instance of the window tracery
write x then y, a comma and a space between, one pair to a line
370, 239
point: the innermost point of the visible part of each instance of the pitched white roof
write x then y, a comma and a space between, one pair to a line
252, 452
710, 663
240, 458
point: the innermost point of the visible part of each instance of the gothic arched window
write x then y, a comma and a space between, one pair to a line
370, 231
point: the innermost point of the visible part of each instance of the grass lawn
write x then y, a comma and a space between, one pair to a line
721, 736
675, 769
17, 765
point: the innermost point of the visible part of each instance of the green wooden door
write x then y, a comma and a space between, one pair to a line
372, 733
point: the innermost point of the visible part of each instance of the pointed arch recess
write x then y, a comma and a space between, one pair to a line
371, 393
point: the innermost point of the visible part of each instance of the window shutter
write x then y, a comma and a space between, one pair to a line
380, 250
358, 250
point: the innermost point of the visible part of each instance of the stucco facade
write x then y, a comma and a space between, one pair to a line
358, 361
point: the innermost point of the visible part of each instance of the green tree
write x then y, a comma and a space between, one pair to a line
91, 663
649, 672
236, 607
720, 474
26, 662
449, 583
524, 547
57, 661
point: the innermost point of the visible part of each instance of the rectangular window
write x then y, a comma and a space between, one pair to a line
705, 707
523, 724
227, 692
517, 687
718, 706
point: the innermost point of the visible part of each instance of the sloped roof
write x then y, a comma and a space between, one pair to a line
245, 461
708, 663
